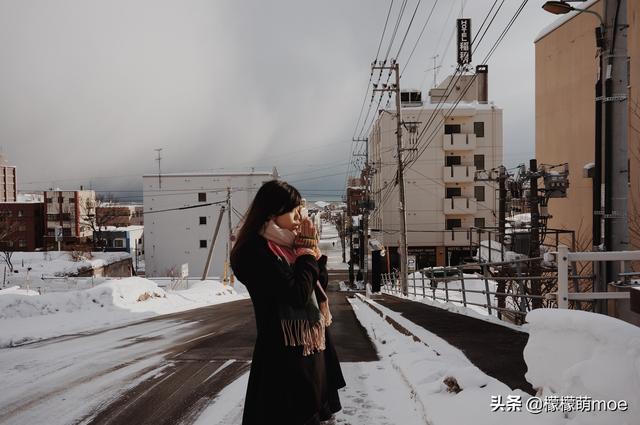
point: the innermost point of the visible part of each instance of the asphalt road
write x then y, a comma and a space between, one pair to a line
163, 370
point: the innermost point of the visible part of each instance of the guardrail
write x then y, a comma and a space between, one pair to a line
564, 257
441, 284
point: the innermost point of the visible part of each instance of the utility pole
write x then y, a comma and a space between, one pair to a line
159, 158
404, 254
502, 200
364, 225
534, 242
205, 272
616, 121
228, 273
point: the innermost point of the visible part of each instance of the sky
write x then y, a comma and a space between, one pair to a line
89, 89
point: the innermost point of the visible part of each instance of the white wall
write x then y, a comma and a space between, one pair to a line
173, 237
424, 183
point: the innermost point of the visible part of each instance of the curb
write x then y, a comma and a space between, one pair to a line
397, 326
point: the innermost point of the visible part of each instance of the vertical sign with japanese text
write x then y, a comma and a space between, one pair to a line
464, 41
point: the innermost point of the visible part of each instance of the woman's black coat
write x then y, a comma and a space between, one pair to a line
285, 387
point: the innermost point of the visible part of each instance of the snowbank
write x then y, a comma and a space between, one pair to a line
25, 318
577, 353
16, 290
57, 263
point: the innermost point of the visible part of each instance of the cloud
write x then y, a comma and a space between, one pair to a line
88, 88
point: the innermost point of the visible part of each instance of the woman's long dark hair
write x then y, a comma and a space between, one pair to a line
274, 198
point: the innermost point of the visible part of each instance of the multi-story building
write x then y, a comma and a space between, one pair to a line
21, 226
8, 186
566, 75
71, 210
445, 145
181, 211
119, 215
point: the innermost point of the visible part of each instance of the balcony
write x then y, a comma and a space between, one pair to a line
459, 174
460, 206
456, 237
459, 142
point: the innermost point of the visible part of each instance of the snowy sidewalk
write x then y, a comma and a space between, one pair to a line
496, 350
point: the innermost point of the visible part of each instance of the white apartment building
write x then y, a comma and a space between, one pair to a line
71, 210
179, 219
443, 198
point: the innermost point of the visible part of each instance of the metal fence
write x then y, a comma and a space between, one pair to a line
506, 297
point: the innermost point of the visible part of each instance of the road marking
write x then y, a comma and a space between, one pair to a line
224, 365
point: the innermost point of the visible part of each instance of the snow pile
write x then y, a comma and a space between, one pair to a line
577, 353
16, 290
114, 293
25, 318
520, 219
498, 252
58, 263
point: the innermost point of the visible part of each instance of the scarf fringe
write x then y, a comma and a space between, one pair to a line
301, 333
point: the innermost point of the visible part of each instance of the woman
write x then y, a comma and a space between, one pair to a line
276, 257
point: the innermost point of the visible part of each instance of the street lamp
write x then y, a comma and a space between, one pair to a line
562, 7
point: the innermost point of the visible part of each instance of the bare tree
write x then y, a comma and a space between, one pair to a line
8, 228
97, 219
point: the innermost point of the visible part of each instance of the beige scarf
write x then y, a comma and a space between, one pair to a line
297, 329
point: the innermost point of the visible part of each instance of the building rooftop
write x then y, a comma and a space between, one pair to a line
564, 19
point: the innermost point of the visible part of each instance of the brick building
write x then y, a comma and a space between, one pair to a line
21, 226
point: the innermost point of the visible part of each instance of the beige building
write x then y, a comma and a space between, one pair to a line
566, 73
443, 198
8, 186
71, 210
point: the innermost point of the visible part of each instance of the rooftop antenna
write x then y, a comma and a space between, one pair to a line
435, 70
159, 158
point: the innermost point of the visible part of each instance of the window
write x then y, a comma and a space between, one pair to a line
49, 200
66, 232
72, 200
452, 160
118, 243
203, 220
22, 228
478, 128
453, 191
453, 223
478, 222
53, 217
478, 193
60, 199
66, 216
202, 197
22, 243
51, 232
478, 161
203, 243
452, 128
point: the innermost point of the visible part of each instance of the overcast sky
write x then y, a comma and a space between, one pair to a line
88, 89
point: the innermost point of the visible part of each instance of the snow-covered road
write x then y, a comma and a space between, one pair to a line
70, 379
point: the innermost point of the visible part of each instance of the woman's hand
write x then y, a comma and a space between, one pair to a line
307, 239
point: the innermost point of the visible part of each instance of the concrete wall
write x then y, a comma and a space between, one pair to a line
172, 238
566, 72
